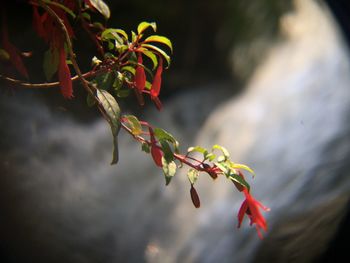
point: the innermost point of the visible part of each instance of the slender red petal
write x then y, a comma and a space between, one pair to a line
157, 102
242, 212
140, 76
157, 81
256, 216
64, 76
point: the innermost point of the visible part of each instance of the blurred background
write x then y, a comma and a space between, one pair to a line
269, 80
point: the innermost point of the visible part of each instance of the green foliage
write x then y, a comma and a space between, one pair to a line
50, 63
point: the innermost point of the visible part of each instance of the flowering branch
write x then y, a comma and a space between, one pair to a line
117, 72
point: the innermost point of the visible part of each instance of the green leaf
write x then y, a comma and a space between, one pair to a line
118, 81
168, 153
86, 16
238, 179
110, 45
133, 36
123, 93
113, 33
134, 124
151, 56
90, 100
210, 157
148, 85
159, 51
122, 32
221, 159
223, 150
129, 69
192, 175
4, 55
50, 65
98, 25
169, 170
222, 167
105, 81
159, 39
145, 147
144, 25
112, 110
241, 166
164, 135
197, 149
101, 7
108, 55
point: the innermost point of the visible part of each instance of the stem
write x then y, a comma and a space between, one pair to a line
28, 85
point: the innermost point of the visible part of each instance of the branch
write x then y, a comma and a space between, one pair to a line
29, 85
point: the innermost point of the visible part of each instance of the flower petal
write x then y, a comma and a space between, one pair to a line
64, 76
242, 212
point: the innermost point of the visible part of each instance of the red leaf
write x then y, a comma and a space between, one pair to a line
195, 197
157, 155
156, 152
64, 76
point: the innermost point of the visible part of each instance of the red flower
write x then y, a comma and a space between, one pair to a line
140, 76
48, 29
140, 79
64, 76
157, 82
250, 206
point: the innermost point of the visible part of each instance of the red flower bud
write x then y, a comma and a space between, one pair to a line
238, 185
140, 76
195, 197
